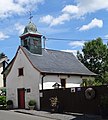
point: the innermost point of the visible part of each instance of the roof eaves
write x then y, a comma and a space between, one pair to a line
32, 33
67, 73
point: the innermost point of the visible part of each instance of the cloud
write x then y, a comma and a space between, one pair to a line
3, 36
55, 21
78, 10
10, 7
60, 20
76, 43
71, 9
50, 20
46, 19
94, 23
90, 6
20, 28
106, 36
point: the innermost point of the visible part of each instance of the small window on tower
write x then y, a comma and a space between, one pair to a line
25, 42
20, 72
35, 42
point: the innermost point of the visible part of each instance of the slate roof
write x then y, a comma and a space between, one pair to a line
53, 61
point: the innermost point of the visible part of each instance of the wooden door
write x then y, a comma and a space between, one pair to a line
21, 98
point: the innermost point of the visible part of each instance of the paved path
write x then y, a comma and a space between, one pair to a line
8, 115
57, 116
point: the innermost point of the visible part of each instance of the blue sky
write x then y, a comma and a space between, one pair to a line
76, 21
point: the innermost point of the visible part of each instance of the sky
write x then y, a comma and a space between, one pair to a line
66, 24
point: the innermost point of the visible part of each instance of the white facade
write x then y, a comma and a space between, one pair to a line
30, 80
50, 80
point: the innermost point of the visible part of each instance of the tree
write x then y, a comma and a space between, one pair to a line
2, 55
95, 57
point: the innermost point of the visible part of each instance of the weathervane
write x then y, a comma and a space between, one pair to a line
30, 16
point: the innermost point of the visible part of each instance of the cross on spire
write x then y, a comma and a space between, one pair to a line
30, 16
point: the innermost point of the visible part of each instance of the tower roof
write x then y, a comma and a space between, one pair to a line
31, 27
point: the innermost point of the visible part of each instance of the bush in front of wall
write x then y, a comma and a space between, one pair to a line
32, 104
2, 102
9, 104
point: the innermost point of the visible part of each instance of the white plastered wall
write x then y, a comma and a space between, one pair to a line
30, 80
50, 80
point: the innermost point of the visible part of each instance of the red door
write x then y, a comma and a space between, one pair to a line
21, 98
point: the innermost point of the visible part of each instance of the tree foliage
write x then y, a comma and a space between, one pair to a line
2, 55
95, 57
3, 100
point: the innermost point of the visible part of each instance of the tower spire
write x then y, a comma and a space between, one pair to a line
30, 16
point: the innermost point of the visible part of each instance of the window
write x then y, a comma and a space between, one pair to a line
25, 44
63, 83
20, 72
35, 42
28, 90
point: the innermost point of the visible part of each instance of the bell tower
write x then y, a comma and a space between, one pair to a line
31, 39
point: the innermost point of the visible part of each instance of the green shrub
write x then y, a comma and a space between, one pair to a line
9, 102
2, 100
32, 103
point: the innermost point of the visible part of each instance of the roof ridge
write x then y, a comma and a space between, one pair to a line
58, 51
